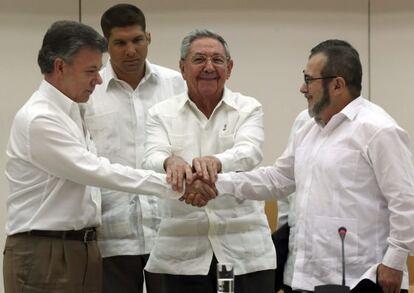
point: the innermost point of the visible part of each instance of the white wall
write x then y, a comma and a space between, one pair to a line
392, 55
269, 41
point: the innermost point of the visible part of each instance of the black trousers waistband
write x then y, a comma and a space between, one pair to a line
87, 234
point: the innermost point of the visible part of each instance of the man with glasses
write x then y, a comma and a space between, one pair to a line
208, 130
53, 209
351, 167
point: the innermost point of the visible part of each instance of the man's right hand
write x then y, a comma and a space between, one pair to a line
198, 193
177, 170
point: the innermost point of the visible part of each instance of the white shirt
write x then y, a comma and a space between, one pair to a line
49, 165
355, 172
236, 231
115, 116
285, 206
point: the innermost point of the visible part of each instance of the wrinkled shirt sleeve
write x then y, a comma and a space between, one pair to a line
393, 167
265, 183
60, 153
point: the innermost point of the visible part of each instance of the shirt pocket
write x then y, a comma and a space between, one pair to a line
326, 247
225, 141
342, 175
180, 239
104, 129
117, 219
246, 233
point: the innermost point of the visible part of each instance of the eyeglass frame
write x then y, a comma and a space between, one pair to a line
307, 78
225, 59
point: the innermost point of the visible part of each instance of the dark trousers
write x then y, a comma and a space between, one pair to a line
365, 286
281, 242
125, 273
257, 282
34, 264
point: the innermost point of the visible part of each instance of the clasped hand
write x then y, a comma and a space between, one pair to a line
199, 179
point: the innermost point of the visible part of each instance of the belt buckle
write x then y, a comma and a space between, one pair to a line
85, 236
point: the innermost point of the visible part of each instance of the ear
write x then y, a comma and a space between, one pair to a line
339, 83
182, 68
59, 66
148, 35
229, 68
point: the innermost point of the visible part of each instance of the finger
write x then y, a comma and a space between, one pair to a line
199, 201
174, 179
212, 172
197, 167
190, 198
208, 192
169, 175
204, 169
180, 179
196, 202
182, 198
188, 174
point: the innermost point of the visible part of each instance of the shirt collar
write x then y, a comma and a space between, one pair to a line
56, 97
351, 110
227, 99
109, 75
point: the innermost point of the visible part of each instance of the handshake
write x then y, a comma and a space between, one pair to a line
197, 181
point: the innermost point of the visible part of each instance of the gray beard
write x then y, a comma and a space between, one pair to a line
316, 110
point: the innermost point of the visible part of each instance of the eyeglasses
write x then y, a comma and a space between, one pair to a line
307, 79
199, 59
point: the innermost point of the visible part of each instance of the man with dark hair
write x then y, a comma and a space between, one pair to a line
351, 167
115, 116
208, 130
284, 237
52, 212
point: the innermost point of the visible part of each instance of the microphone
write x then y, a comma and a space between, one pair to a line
342, 233
337, 288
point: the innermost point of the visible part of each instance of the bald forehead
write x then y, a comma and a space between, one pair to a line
316, 63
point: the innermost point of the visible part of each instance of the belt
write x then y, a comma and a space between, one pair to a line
87, 234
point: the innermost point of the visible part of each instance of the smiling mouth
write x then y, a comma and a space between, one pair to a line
208, 77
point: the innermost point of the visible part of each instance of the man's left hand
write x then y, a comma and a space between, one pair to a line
207, 168
389, 279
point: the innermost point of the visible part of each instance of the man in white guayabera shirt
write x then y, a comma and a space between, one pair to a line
115, 115
208, 130
351, 166
52, 212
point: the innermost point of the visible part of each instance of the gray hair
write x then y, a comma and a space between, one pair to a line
200, 34
64, 39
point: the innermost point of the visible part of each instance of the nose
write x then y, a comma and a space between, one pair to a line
303, 88
130, 49
98, 79
208, 66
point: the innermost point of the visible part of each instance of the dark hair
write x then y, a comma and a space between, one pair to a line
200, 34
342, 60
121, 15
64, 39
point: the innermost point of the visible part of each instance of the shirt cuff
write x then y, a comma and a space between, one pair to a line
395, 258
227, 162
225, 185
157, 163
169, 193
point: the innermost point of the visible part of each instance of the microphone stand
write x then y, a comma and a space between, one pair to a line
337, 288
